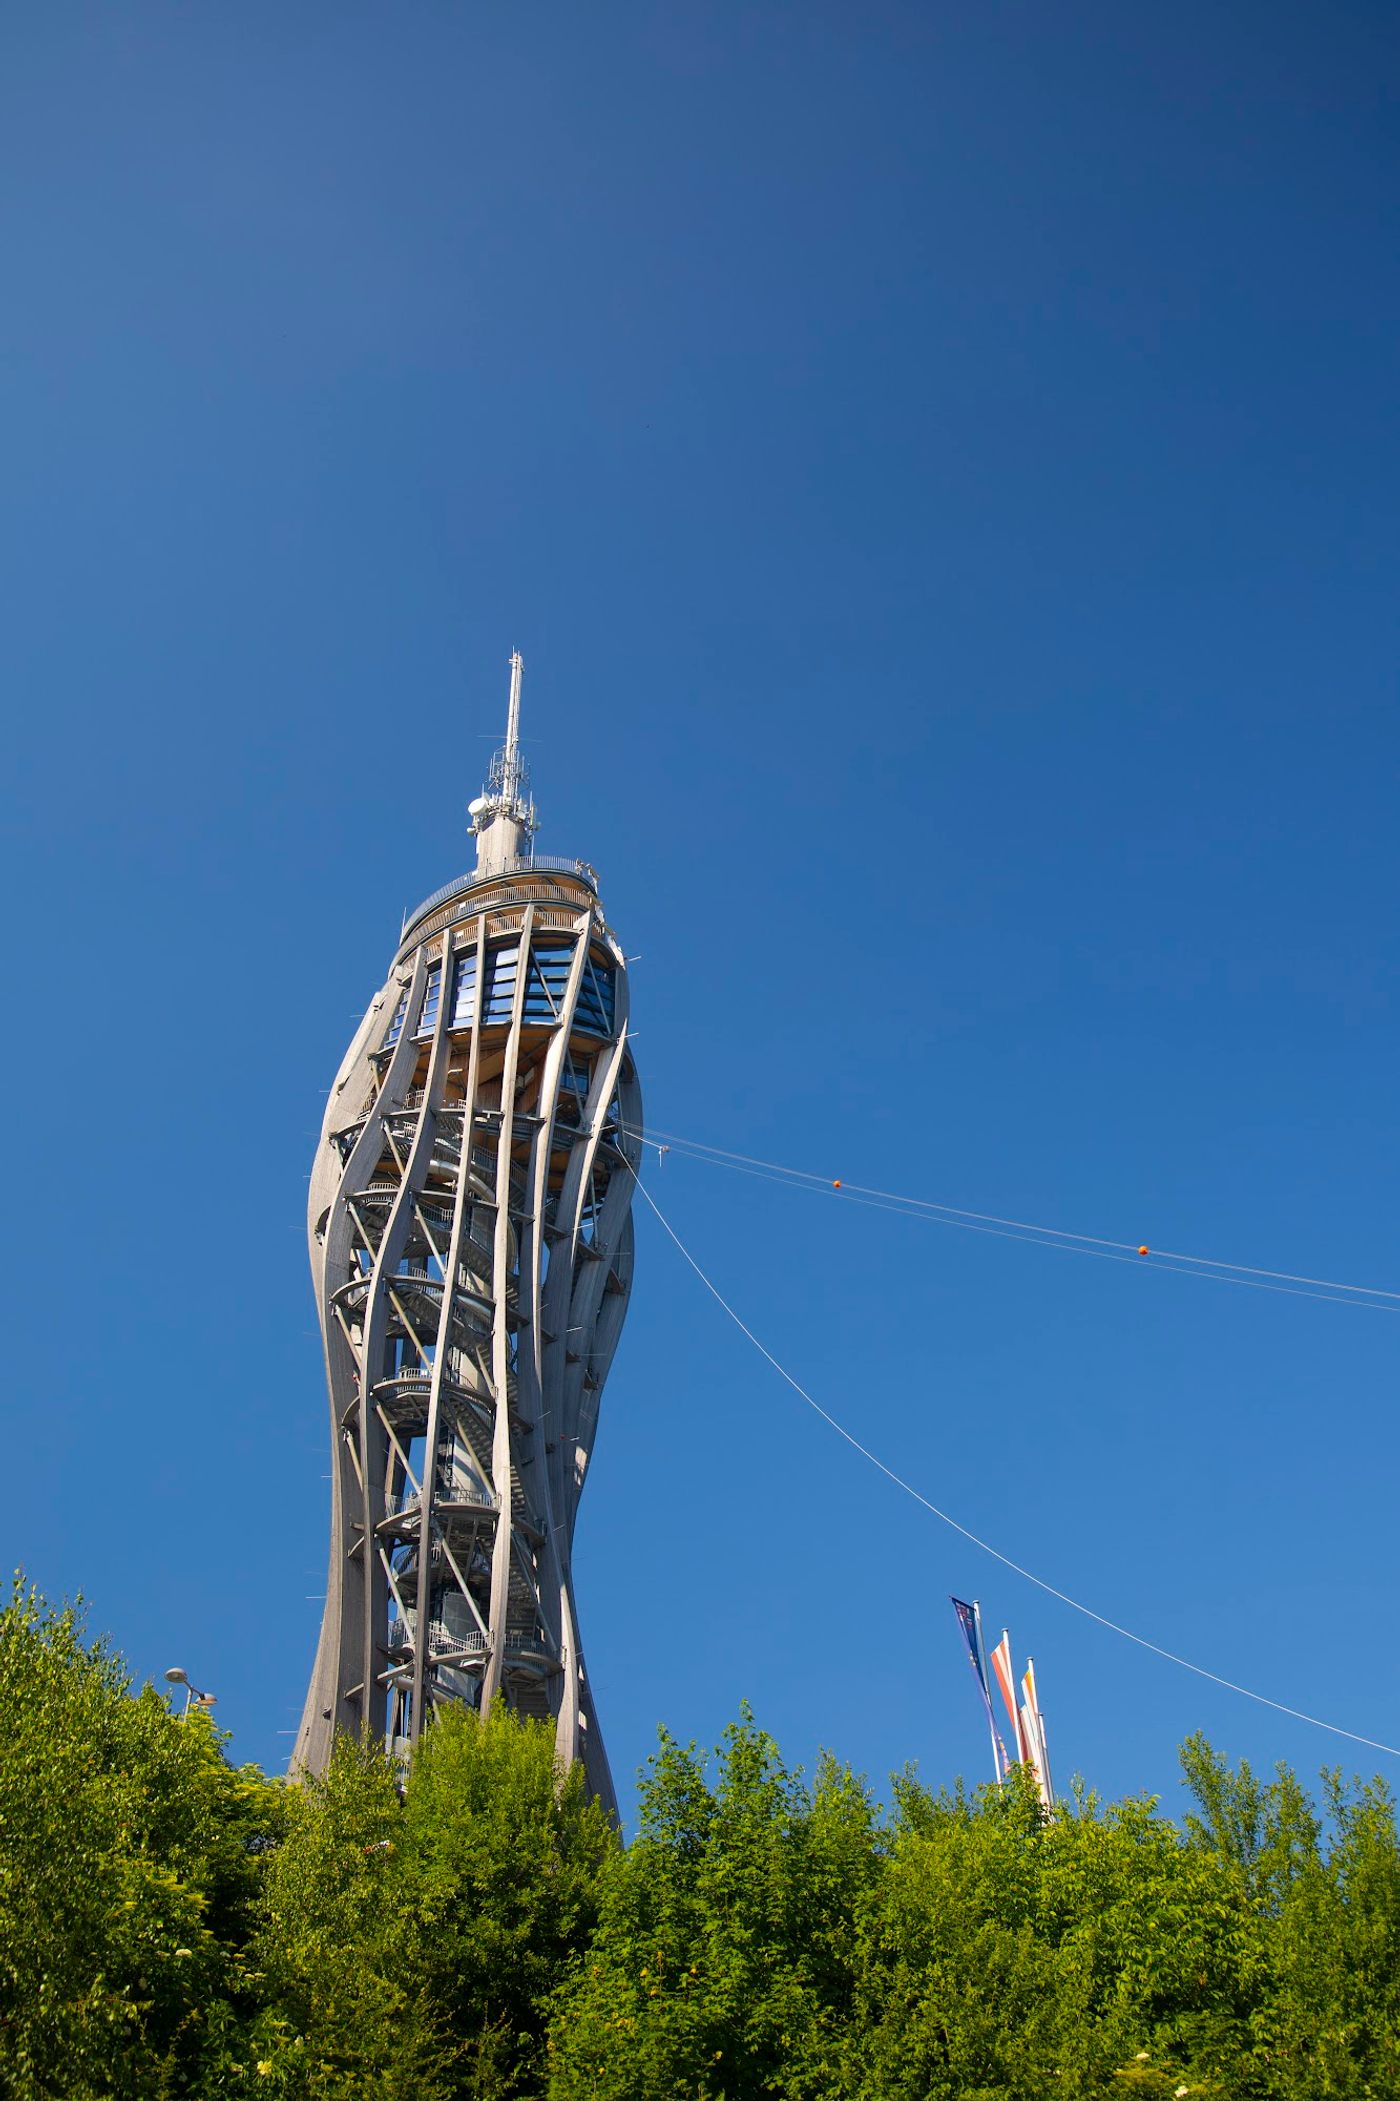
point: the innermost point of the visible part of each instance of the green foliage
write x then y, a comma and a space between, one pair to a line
338, 2001
722, 1963
1010, 1953
1326, 2020
504, 1855
129, 1869
410, 1946
172, 1926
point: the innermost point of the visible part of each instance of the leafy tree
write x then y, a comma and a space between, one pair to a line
722, 1961
956, 1985
763, 1938
410, 1945
1325, 2025
171, 1926
343, 2011
129, 1863
504, 1854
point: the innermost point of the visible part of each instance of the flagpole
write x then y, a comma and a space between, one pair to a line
970, 1621
1006, 1679
998, 1774
1035, 1733
1047, 1783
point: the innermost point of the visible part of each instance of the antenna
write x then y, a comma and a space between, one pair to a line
503, 816
510, 772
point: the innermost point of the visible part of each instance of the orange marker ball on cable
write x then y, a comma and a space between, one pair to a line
1144, 1251
836, 1185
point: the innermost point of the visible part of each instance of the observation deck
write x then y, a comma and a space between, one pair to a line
511, 883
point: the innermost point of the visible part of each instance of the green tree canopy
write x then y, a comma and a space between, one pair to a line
171, 1925
724, 1960
130, 1855
418, 1937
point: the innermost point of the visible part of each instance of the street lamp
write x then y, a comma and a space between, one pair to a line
176, 1676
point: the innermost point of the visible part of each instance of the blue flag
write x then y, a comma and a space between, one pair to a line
970, 1620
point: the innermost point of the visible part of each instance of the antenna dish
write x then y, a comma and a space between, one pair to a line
477, 805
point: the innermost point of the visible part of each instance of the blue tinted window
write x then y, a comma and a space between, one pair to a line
396, 1025
547, 982
597, 999
432, 992
464, 991
542, 1001
501, 965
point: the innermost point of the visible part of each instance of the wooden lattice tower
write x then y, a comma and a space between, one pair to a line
471, 1243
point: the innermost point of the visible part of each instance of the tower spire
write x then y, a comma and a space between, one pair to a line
503, 815
511, 769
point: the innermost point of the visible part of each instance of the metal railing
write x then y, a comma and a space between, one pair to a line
468, 1641
464, 1493
441, 1636
518, 864
413, 1283
448, 1493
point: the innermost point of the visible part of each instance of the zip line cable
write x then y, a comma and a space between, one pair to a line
697, 1147
1140, 1640
908, 1207
1206, 1267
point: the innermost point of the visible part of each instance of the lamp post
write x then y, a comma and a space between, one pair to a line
176, 1676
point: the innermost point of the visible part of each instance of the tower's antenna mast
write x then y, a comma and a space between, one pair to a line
503, 817
510, 771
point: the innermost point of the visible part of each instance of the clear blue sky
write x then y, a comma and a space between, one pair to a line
940, 466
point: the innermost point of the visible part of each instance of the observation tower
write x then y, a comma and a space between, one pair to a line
471, 1243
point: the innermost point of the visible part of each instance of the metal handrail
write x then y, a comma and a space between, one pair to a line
441, 1636
447, 1495
471, 1639
517, 864
409, 1281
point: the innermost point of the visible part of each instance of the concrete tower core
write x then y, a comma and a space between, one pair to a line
471, 1244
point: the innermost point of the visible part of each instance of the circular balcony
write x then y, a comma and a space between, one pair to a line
523, 879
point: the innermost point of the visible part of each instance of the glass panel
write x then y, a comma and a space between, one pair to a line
501, 965
549, 977
597, 999
396, 1025
464, 991
601, 976
427, 1020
